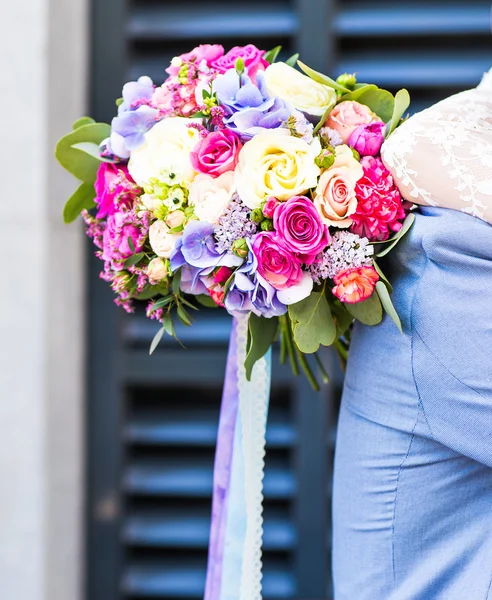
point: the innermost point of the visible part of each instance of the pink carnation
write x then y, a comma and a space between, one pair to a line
216, 153
115, 189
119, 227
205, 52
276, 264
355, 285
251, 55
380, 207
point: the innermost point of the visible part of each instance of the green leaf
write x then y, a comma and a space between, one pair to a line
322, 120
369, 312
383, 276
324, 79
292, 61
343, 319
262, 332
162, 302
149, 291
358, 91
167, 324
176, 281
184, 316
402, 102
407, 224
379, 101
82, 121
385, 298
133, 260
82, 198
119, 101
156, 340
206, 301
92, 150
80, 164
313, 323
271, 55
131, 244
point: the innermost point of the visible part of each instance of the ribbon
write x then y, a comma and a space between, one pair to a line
234, 557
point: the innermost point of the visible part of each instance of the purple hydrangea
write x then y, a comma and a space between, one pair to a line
136, 93
249, 109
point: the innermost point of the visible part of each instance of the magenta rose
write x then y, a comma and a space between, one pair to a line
380, 208
205, 52
276, 264
367, 139
119, 227
299, 226
114, 188
253, 60
217, 153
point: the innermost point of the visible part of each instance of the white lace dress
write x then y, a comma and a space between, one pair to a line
442, 156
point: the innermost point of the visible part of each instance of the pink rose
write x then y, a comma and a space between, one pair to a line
335, 197
367, 139
205, 52
299, 226
119, 227
380, 208
216, 153
355, 284
253, 60
276, 264
269, 207
347, 116
115, 189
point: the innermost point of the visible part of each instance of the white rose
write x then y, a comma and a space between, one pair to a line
161, 241
301, 91
210, 196
157, 270
274, 163
150, 202
166, 151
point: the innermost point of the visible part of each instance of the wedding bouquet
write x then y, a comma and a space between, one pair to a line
244, 183
251, 186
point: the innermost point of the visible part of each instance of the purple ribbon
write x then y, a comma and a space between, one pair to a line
222, 471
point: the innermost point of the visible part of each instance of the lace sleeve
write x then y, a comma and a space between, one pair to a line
443, 155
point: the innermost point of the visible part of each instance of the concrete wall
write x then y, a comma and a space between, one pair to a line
43, 50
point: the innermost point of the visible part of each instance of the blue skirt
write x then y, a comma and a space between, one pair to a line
412, 505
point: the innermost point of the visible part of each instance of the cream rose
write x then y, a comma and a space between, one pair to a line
335, 195
165, 154
175, 218
210, 196
161, 241
157, 270
301, 91
274, 163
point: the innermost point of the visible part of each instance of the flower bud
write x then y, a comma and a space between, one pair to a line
267, 225
257, 215
157, 270
325, 159
175, 218
348, 80
356, 154
240, 248
239, 66
269, 207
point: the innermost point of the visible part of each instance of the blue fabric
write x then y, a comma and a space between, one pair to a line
412, 502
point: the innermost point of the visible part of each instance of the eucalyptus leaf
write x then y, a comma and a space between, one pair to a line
358, 91
324, 79
92, 150
313, 323
390, 310
343, 319
262, 332
271, 55
82, 198
134, 259
369, 312
80, 164
383, 276
407, 224
206, 301
292, 61
379, 101
402, 102
83, 121
156, 340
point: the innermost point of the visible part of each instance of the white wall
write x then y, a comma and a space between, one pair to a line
42, 90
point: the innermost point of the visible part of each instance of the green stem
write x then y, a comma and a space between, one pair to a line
307, 370
342, 353
283, 346
289, 342
321, 367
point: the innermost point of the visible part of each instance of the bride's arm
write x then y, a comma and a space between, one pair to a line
443, 155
